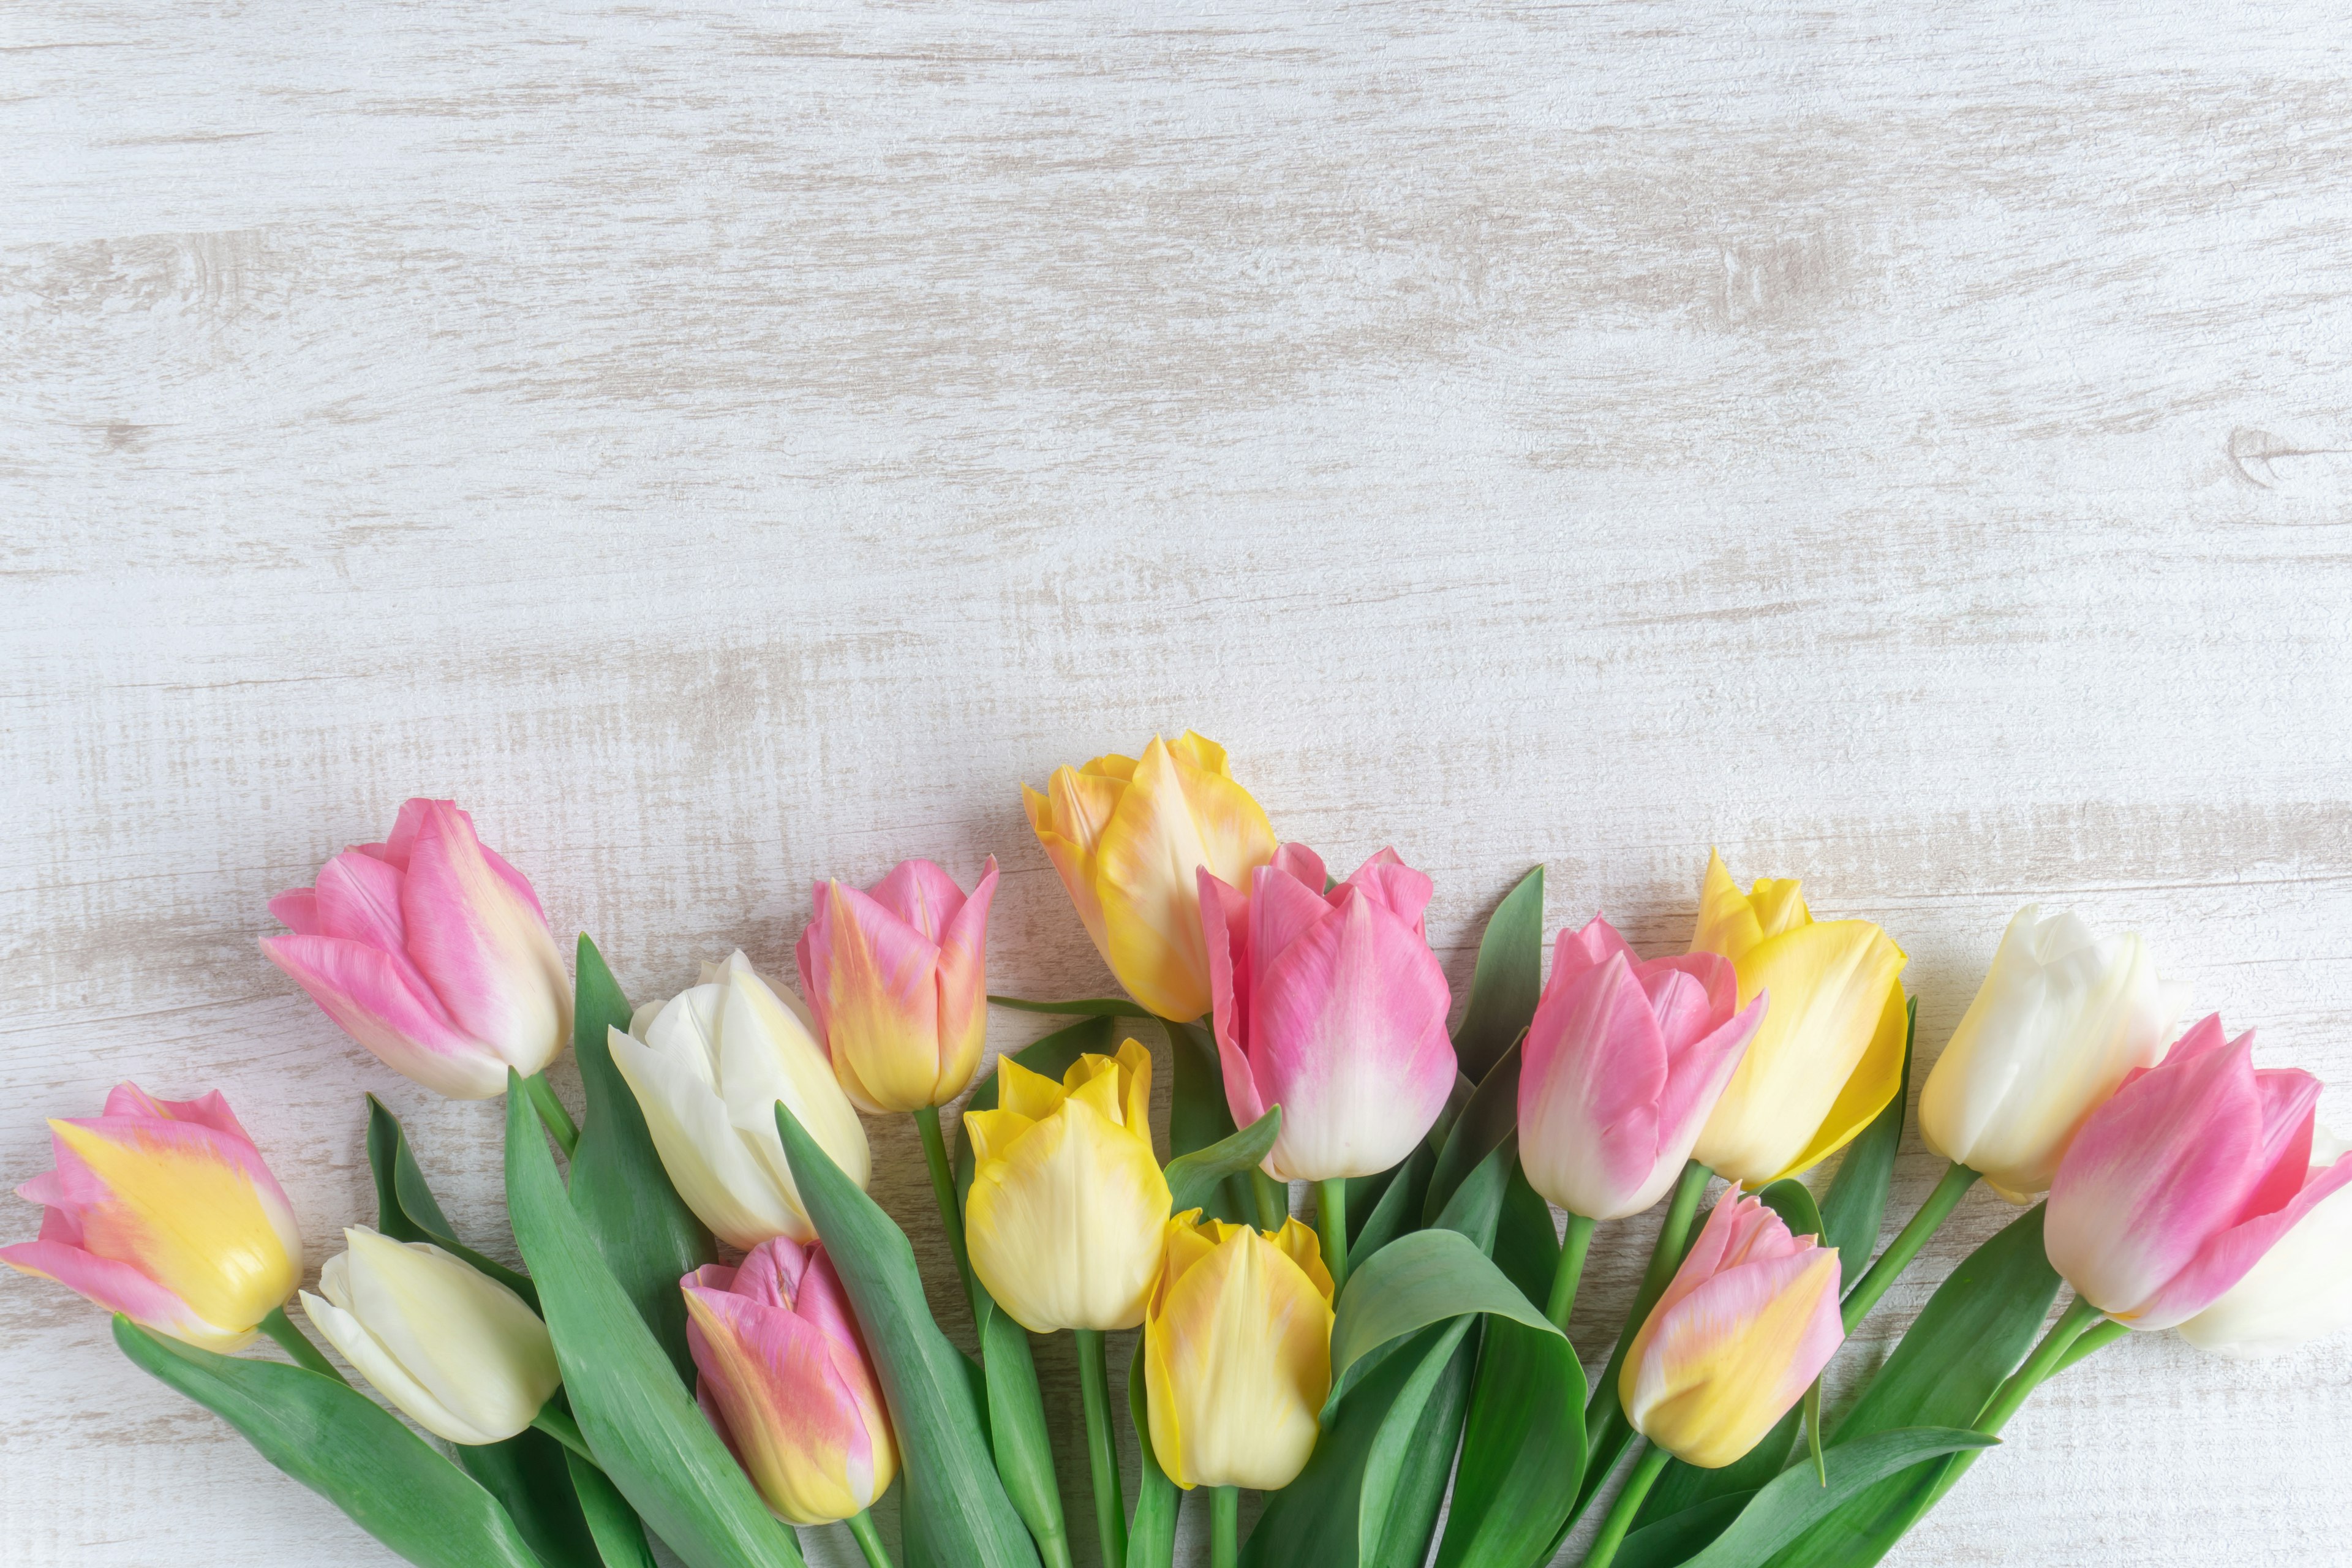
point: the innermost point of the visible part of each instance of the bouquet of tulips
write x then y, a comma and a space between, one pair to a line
720, 1341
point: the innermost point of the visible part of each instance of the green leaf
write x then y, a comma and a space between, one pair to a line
404, 1206
1522, 1450
1782, 1511
1398, 1207
647, 1433
1526, 1247
648, 1237
1855, 1205
1426, 1277
1476, 1209
1195, 1178
1198, 1116
347, 1449
1491, 1115
1680, 1536
620, 1538
1405, 1471
527, 1475
1508, 981
956, 1513
1094, 1006
1151, 1534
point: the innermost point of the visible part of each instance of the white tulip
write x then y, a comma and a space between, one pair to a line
2062, 1018
463, 1356
2302, 1288
707, 1067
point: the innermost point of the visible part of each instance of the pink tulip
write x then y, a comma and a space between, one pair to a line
164, 1211
431, 952
1622, 1064
2178, 1186
787, 1383
897, 981
1332, 1006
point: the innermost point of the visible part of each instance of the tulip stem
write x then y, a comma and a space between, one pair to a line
1273, 1200
1225, 1526
558, 1424
1564, 1278
550, 1111
935, 1155
869, 1541
2043, 1363
1094, 1385
1905, 1247
1628, 1504
1605, 1426
1331, 1221
297, 1343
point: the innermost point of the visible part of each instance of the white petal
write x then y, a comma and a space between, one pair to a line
470, 1342
727, 1189
384, 1373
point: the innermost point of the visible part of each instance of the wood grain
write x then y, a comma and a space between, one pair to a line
730, 446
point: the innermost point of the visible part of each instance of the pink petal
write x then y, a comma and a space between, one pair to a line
2225, 1259
710, 1276
923, 895
1224, 927
1576, 952
116, 1286
1696, 1073
1396, 886
1303, 863
1281, 910
297, 911
772, 1273
205, 1110
486, 953
358, 899
363, 990
963, 964
1590, 1076
2290, 1103
863, 966
773, 1378
1727, 1302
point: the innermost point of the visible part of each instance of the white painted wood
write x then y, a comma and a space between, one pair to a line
1905, 447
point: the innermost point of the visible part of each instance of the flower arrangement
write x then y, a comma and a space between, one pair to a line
720, 1341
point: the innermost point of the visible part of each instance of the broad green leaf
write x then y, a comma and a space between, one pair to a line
1508, 981
648, 1237
1426, 1277
1091, 1006
1526, 1247
1198, 1116
620, 1538
1476, 1209
1405, 1471
1491, 1115
1195, 1178
1398, 1209
1680, 1536
647, 1433
1522, 1450
1151, 1534
347, 1449
1856, 1203
956, 1512
527, 1475
404, 1206
1782, 1511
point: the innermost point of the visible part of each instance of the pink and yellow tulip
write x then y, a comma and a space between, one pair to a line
164, 1211
1749, 1321
2175, 1188
897, 980
1332, 1006
431, 952
786, 1380
1622, 1065
1129, 835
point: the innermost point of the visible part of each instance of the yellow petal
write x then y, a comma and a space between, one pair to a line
1031, 1094
1779, 905
1135, 1085
994, 1133
1727, 920
1110, 765
1098, 1088
1878, 1080
1297, 1241
1727, 1390
1067, 1227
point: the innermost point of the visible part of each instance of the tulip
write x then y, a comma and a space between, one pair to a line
896, 980
1128, 837
707, 1067
2300, 1290
1828, 1053
1236, 1353
2179, 1185
2061, 1016
786, 1380
1068, 1210
161, 1210
458, 1352
431, 952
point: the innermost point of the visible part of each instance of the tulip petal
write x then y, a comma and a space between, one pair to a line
1591, 1073
1727, 920
1404, 892
872, 980
121, 1288
788, 1412
1066, 1224
485, 952
963, 987
1875, 1081
297, 911
920, 893
1224, 920
1721, 1366
704, 1154
1067, 823
362, 989
2227, 1258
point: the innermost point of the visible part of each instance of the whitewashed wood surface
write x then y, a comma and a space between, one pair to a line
1906, 447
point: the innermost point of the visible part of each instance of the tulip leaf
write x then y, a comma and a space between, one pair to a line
346, 1447
1491, 1115
527, 1475
1856, 1205
648, 1435
956, 1513
1522, 1450
1526, 1247
1151, 1534
1094, 1006
1413, 1454
1680, 1536
1429, 1277
404, 1206
620, 1538
648, 1237
1398, 1207
1476, 1209
1199, 1117
1508, 981
1193, 1179
1795, 1499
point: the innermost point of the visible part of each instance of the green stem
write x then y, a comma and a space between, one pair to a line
935, 1155
1110, 1507
1272, 1201
869, 1541
297, 1343
1331, 1222
1628, 1504
1957, 1180
2038, 1368
550, 1111
1571, 1269
2095, 1339
1225, 1526
557, 1423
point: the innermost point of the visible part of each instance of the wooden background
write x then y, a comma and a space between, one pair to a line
1908, 448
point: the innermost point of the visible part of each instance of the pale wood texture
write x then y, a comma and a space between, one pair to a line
1906, 449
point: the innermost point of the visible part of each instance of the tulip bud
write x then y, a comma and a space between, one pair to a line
707, 1067
1129, 837
896, 978
2301, 1289
431, 952
1332, 1006
2180, 1184
787, 1383
1746, 1325
1236, 1353
1068, 1209
1622, 1065
2061, 1018
161, 1210
1828, 1053
460, 1353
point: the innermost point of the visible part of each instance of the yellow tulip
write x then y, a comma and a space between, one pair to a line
1130, 836
1237, 1353
1069, 1207
1829, 1055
